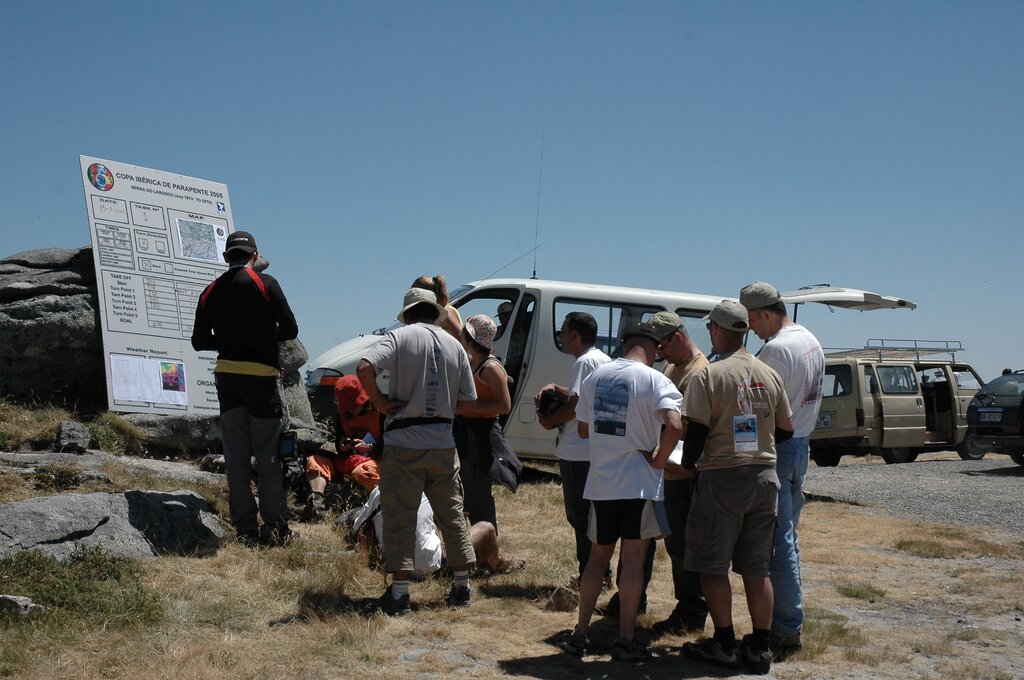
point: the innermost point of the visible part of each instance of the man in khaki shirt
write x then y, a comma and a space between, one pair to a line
683, 360
735, 412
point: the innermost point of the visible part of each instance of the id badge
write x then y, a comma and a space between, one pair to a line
744, 433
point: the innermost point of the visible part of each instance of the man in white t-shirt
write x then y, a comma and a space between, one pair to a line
579, 333
622, 409
796, 356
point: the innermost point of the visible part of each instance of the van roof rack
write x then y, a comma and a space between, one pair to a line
887, 349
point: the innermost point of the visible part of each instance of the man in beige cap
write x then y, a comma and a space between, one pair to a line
796, 355
683, 359
429, 377
735, 411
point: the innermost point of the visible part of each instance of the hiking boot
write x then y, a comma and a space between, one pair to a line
314, 508
759, 662
458, 596
387, 604
709, 650
678, 623
611, 610
785, 645
277, 537
250, 539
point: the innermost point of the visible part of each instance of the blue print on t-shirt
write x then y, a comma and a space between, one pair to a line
611, 401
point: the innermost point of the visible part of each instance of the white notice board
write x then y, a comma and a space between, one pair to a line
157, 240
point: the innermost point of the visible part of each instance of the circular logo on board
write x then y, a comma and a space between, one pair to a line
101, 177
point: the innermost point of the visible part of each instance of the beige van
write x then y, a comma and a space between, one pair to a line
530, 314
896, 399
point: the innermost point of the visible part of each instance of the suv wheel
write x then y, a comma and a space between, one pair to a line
1018, 457
969, 449
822, 459
900, 454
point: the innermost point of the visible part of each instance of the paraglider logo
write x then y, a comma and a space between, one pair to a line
101, 177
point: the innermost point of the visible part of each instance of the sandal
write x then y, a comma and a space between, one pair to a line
630, 650
509, 564
571, 642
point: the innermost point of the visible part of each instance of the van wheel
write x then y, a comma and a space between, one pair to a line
969, 449
826, 459
1018, 457
900, 454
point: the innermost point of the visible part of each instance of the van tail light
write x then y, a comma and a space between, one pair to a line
860, 417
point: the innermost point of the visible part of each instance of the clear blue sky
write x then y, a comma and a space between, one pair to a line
688, 146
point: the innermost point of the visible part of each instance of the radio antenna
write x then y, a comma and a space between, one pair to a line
536, 228
491, 275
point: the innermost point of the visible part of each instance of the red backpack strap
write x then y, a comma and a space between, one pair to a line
206, 293
259, 283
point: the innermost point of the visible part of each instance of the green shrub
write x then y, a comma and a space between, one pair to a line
116, 435
91, 587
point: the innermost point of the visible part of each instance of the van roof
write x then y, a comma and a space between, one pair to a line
833, 296
568, 288
883, 349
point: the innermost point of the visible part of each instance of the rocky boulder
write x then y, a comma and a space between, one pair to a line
50, 342
130, 524
183, 434
72, 436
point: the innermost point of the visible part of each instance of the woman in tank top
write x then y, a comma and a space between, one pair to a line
477, 422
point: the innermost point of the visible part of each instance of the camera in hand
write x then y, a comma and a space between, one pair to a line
550, 401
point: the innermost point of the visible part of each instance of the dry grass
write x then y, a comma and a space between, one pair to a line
296, 611
27, 428
23, 428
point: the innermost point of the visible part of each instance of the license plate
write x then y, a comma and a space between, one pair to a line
990, 416
824, 419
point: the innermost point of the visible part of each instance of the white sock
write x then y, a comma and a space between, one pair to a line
399, 587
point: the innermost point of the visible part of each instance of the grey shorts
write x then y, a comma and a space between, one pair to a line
732, 520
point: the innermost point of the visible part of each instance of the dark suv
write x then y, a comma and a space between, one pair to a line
996, 416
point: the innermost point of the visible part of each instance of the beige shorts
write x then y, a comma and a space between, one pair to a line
732, 520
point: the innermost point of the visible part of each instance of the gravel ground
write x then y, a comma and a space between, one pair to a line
988, 492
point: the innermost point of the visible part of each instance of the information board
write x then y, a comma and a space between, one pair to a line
157, 240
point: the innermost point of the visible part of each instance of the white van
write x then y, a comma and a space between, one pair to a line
528, 342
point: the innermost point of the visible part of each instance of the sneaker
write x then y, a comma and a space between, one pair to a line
709, 650
758, 662
630, 650
386, 604
611, 610
458, 596
784, 646
679, 624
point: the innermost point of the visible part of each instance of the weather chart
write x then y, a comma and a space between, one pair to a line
157, 239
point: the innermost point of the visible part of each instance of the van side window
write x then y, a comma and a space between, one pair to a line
838, 381
492, 301
897, 379
870, 382
612, 319
966, 378
696, 328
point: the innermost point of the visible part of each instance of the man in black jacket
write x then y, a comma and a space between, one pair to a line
243, 315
